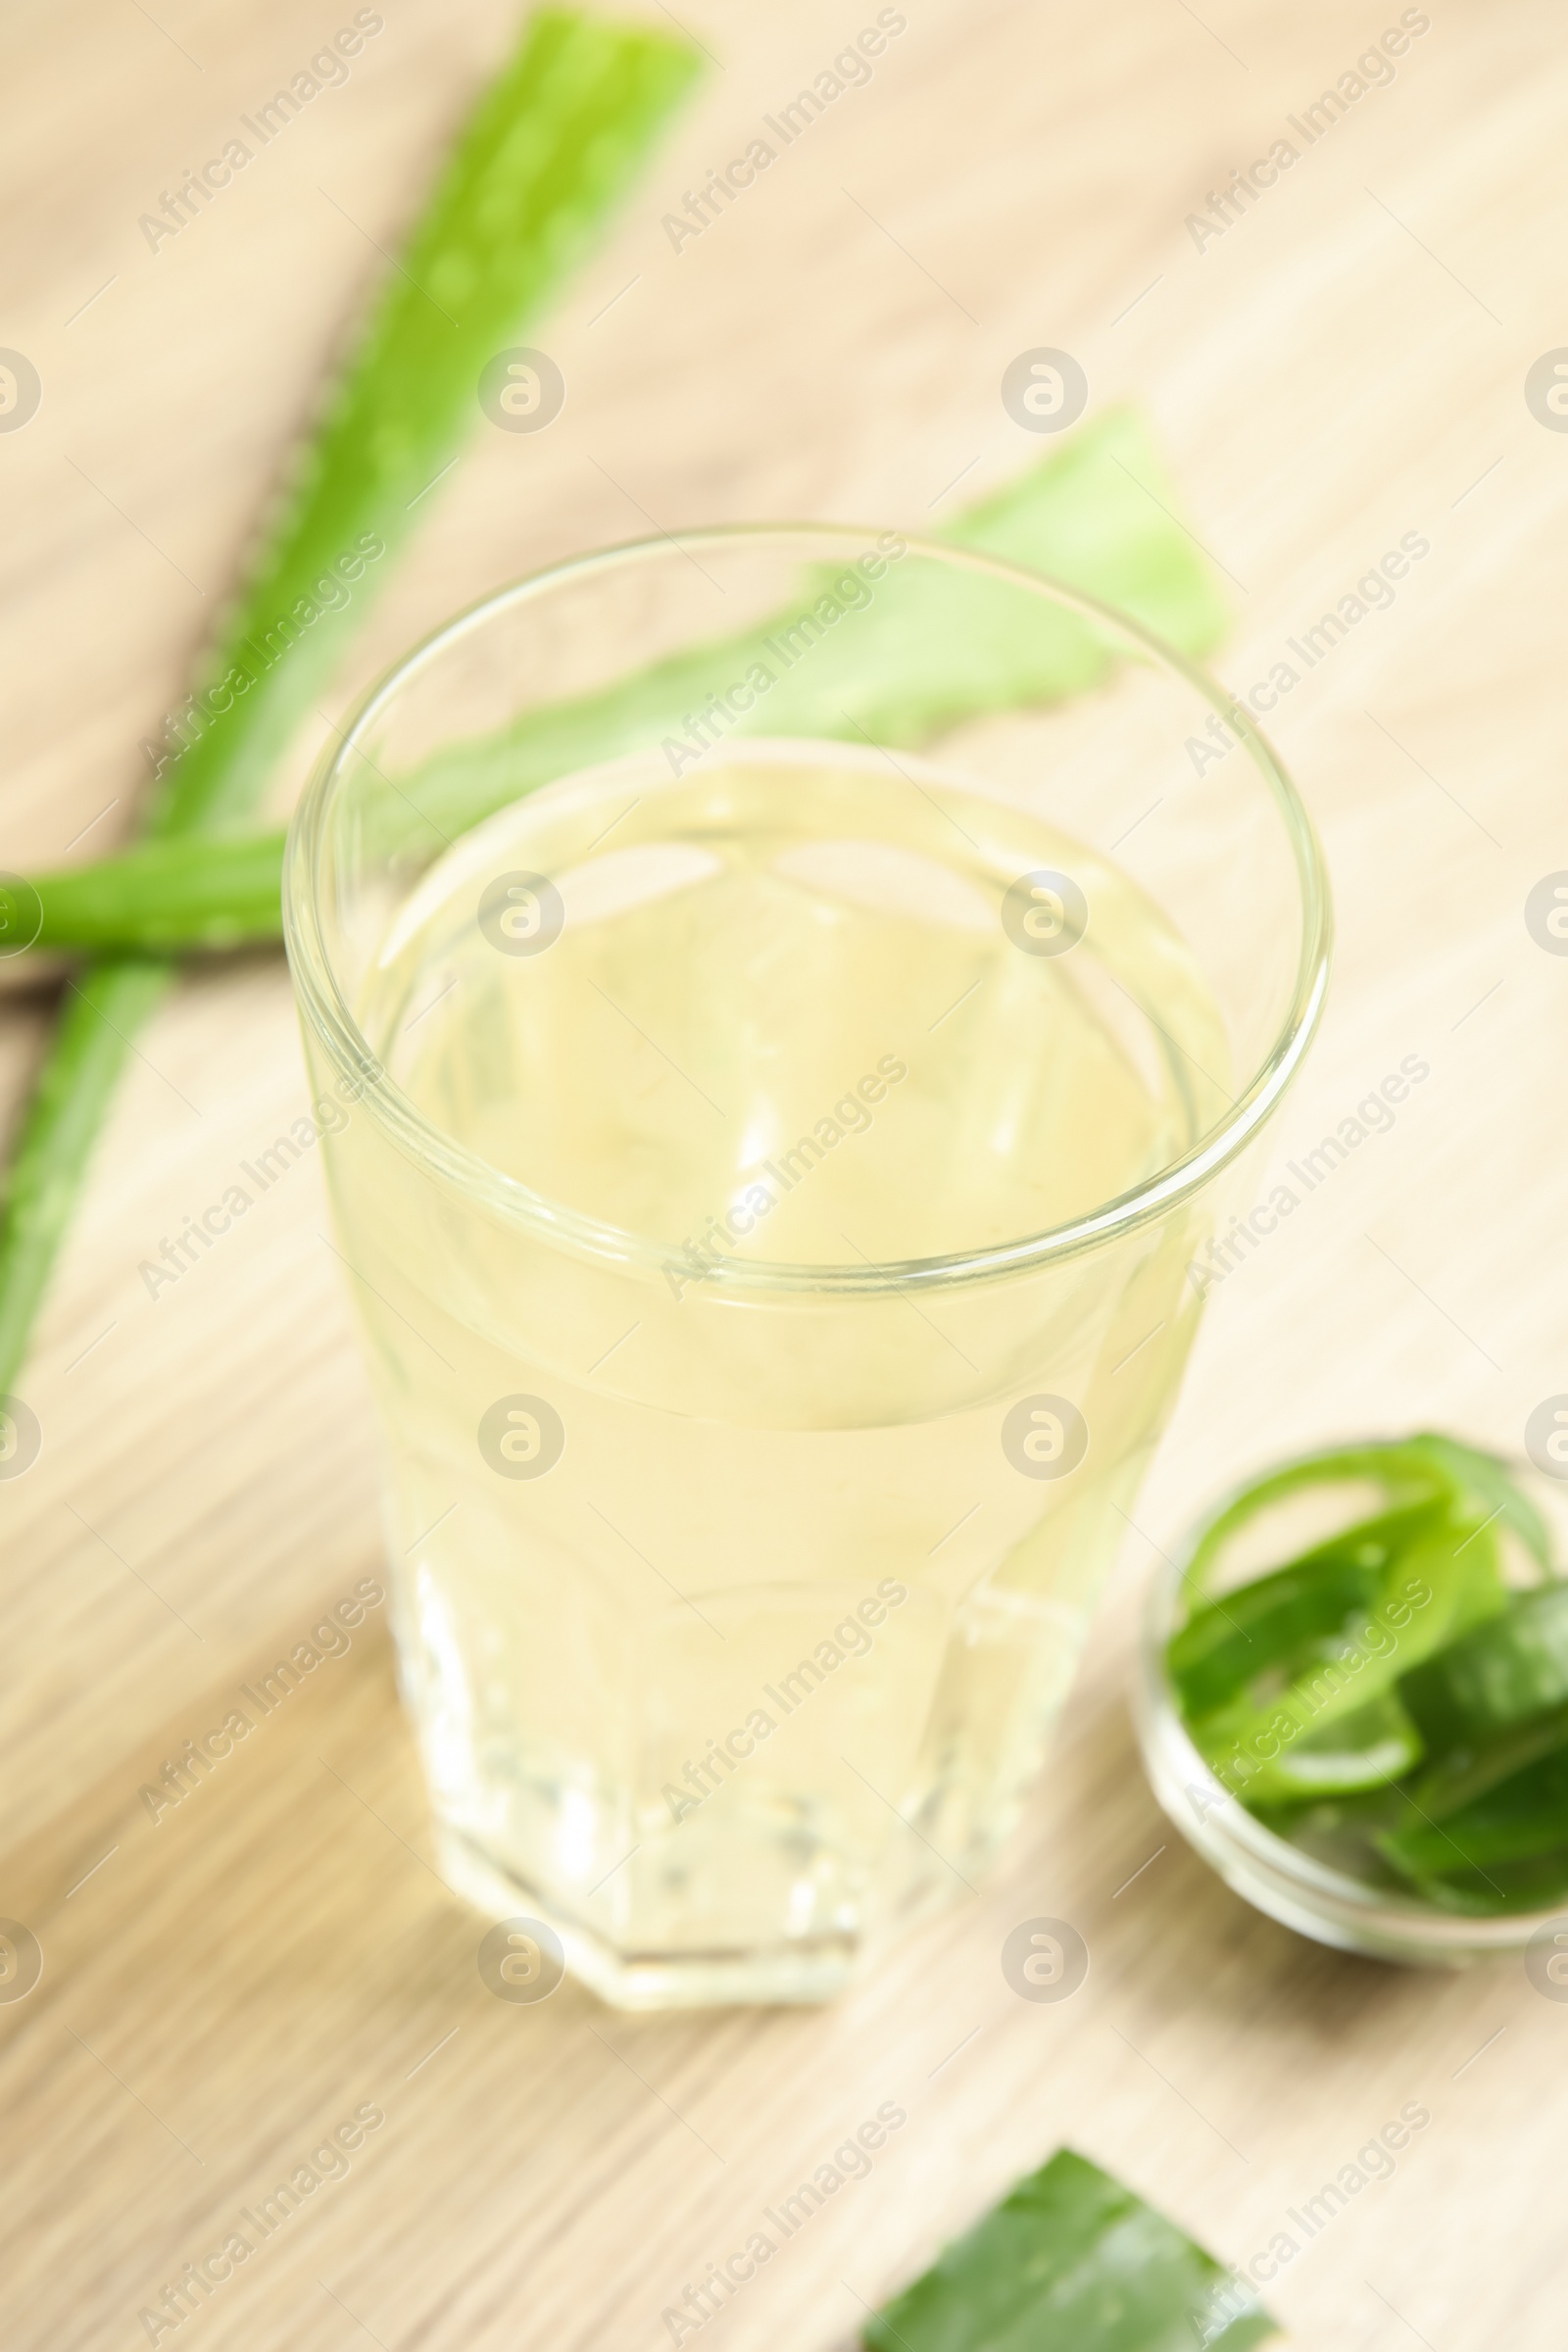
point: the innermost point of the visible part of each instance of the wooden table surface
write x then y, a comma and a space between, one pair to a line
1344, 364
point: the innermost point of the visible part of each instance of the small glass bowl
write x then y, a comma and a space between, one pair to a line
1276, 1877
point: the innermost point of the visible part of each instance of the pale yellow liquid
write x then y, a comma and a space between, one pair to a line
782, 997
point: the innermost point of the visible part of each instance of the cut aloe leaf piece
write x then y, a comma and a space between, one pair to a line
1365, 1749
1273, 1621
1071, 2260
1479, 1484
1436, 1587
1485, 1479
1500, 1675
1457, 1778
1404, 1471
1421, 1730
1521, 1819
1538, 1883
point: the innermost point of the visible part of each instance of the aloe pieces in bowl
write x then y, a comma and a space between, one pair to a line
1394, 1697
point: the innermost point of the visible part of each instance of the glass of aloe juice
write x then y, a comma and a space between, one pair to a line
798, 1011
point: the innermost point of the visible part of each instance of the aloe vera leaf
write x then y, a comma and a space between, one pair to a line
1495, 1708
1082, 516
1405, 1467
1511, 1667
922, 652
1520, 1820
539, 165
1487, 1478
1435, 1587
1531, 1882
167, 897
104, 1007
1375, 1744
1406, 1473
1071, 2260
1456, 1777
1273, 1622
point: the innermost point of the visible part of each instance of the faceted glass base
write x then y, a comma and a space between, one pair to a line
812, 1970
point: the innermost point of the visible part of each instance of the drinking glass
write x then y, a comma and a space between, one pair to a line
786, 1009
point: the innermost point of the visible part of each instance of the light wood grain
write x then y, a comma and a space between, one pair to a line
230, 1983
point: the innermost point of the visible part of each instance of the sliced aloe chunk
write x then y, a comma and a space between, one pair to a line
1365, 1749
1275, 1621
1071, 2260
1519, 1819
1500, 1675
1442, 1582
1536, 1884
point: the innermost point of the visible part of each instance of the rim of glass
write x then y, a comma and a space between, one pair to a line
323, 1001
